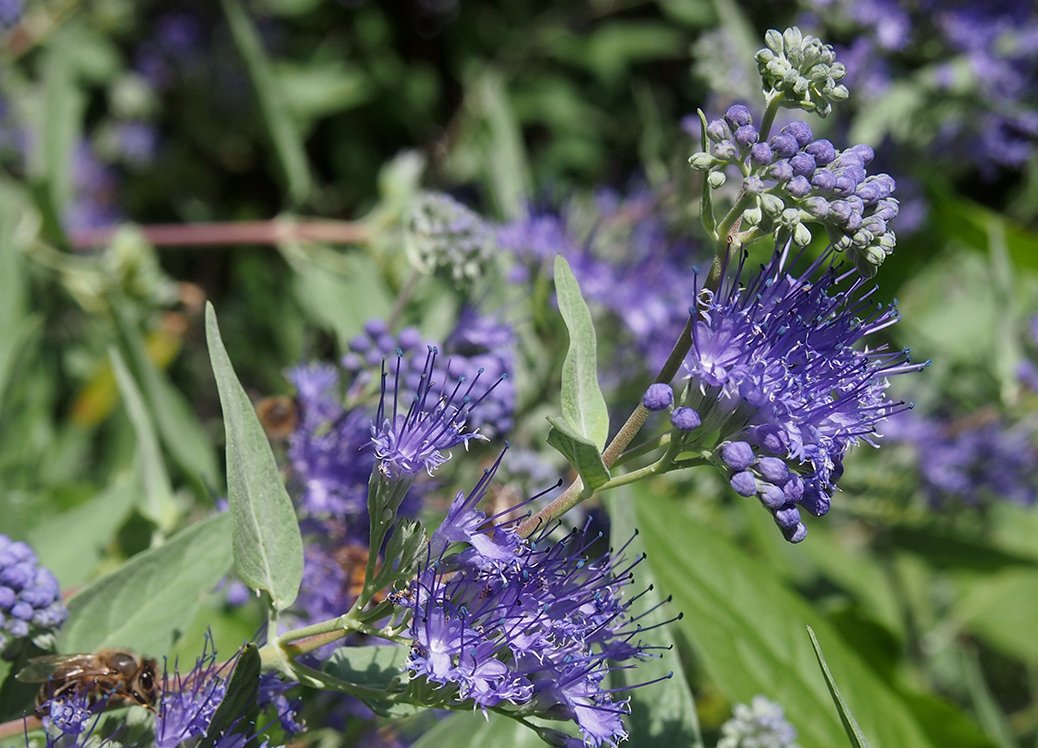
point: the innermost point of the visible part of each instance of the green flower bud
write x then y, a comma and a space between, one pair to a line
445, 238
772, 204
716, 179
702, 161
802, 70
801, 235
752, 216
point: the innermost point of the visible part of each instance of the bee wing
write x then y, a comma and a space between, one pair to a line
43, 669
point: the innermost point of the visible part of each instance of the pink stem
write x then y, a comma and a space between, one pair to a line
229, 233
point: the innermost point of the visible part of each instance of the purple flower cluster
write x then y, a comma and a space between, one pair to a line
529, 623
774, 372
330, 468
30, 598
618, 246
997, 121
479, 347
189, 702
972, 460
435, 422
11, 13
796, 180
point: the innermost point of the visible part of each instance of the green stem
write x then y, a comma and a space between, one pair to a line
773, 105
641, 449
728, 223
575, 492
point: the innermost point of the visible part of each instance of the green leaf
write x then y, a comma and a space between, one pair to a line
274, 104
268, 549
179, 429
582, 402
850, 725
746, 627
339, 296
379, 668
1001, 608
477, 731
237, 710
60, 122
581, 453
157, 501
72, 543
150, 598
662, 713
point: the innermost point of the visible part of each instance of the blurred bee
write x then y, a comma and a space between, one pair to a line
353, 559
118, 677
278, 415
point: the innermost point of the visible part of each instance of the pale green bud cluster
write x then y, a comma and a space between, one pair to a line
446, 238
802, 69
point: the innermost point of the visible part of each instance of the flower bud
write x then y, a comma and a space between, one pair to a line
702, 161
658, 396
716, 179
685, 419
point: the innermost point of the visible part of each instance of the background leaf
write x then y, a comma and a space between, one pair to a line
582, 402
274, 104
268, 549
156, 501
746, 629
71, 543
150, 598
854, 733
662, 713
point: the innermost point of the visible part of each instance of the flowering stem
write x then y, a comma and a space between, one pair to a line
774, 100
574, 493
229, 233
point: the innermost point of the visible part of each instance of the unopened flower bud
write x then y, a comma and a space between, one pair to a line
702, 161
716, 179
658, 396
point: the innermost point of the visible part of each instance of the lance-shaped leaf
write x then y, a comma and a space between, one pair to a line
237, 710
581, 453
268, 549
582, 402
850, 725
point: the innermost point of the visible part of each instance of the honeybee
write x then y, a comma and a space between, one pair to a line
119, 677
278, 415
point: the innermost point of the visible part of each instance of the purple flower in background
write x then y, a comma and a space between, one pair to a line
30, 597
137, 142
484, 347
329, 463
95, 192
774, 366
11, 13
536, 622
617, 246
971, 460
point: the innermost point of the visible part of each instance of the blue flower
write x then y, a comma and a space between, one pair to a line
776, 369
406, 443
535, 623
189, 702
30, 597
